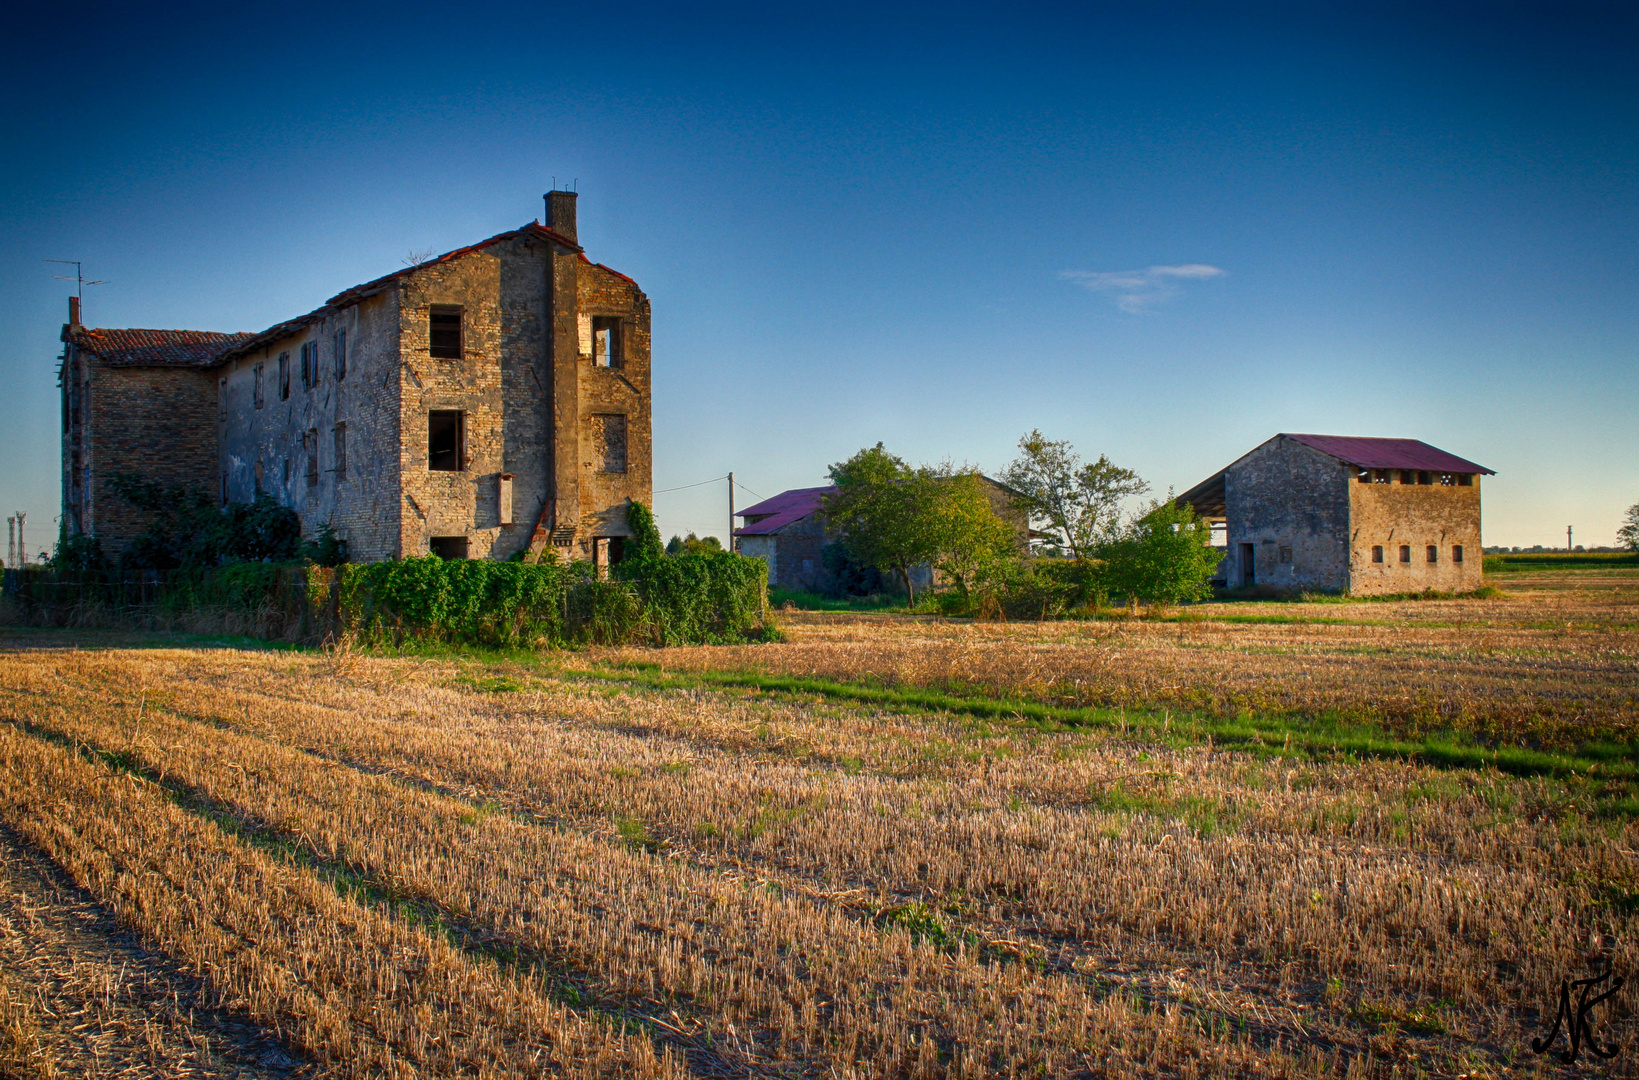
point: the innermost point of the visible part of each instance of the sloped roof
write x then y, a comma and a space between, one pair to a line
1389, 453
155, 348
370, 288
783, 509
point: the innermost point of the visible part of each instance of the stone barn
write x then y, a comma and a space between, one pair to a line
490, 401
789, 531
1363, 516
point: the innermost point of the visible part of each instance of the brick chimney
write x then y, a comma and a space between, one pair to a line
73, 313
560, 213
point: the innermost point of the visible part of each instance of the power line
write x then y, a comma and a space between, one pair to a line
702, 483
759, 494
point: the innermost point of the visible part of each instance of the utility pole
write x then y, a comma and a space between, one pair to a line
22, 545
730, 545
11, 541
1568, 546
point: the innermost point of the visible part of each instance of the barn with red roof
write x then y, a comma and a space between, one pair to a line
1364, 516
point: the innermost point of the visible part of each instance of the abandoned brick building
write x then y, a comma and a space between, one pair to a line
491, 401
1355, 515
789, 532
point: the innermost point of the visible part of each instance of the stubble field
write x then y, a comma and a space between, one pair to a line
854, 853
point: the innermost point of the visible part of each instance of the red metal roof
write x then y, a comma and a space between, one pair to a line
1389, 453
155, 348
784, 508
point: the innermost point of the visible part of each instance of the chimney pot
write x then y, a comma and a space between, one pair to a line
74, 312
560, 214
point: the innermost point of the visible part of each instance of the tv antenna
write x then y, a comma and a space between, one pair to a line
79, 278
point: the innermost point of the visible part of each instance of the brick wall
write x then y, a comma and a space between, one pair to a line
1416, 516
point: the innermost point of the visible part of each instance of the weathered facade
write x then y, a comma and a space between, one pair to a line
490, 401
1356, 515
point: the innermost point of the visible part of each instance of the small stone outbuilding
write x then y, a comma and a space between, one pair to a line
1363, 516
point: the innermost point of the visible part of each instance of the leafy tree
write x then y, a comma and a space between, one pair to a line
644, 542
188, 530
965, 535
692, 545
1628, 534
880, 508
1163, 557
1080, 502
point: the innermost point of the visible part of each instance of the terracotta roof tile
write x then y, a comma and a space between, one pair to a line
155, 348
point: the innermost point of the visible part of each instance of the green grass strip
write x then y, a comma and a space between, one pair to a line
1610, 762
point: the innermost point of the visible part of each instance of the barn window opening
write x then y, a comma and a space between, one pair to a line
1407, 476
310, 365
1425, 478
256, 390
310, 443
606, 341
1465, 479
340, 434
1377, 553
1434, 553
284, 376
444, 332
1285, 554
1364, 476
1405, 553
341, 354
1456, 553
1448, 479
448, 547
445, 439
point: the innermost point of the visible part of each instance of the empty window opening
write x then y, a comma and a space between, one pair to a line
1364, 476
1465, 479
284, 376
310, 365
341, 354
1285, 554
1405, 553
606, 341
444, 332
1456, 553
448, 547
310, 443
340, 435
445, 440
1383, 476
609, 441
1425, 478
256, 391
1249, 562
1434, 553
607, 551
1377, 553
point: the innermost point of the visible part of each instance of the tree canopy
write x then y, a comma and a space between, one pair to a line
1628, 534
1079, 501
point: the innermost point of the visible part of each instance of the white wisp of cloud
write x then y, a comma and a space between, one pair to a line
1138, 291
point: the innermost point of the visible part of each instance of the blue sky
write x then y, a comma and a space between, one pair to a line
1162, 234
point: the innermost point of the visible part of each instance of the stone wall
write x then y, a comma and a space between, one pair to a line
1415, 517
1291, 503
276, 444
612, 400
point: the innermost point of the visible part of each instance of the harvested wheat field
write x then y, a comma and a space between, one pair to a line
611, 864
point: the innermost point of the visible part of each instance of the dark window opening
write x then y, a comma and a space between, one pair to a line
1465, 480
444, 440
1364, 476
287, 472
1285, 554
310, 443
1425, 478
256, 392
444, 333
341, 355
1249, 562
606, 341
1383, 476
340, 433
1434, 553
448, 547
310, 365
1456, 553
1407, 476
1448, 479
609, 436
607, 551
1377, 553
1405, 553
284, 376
